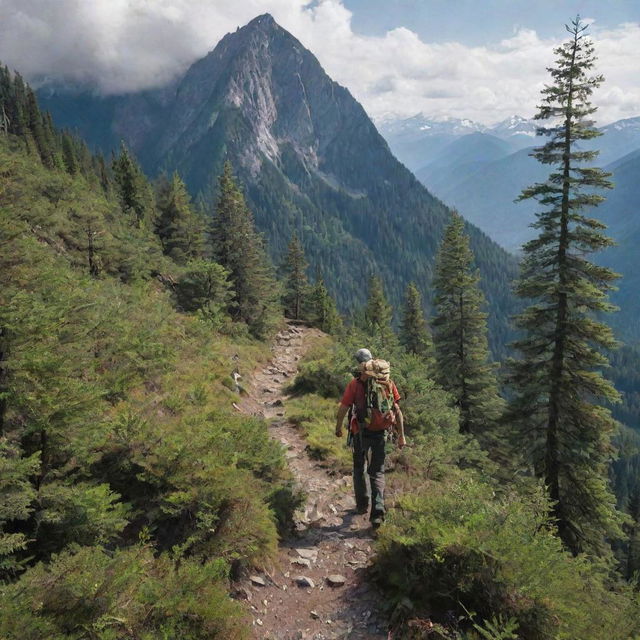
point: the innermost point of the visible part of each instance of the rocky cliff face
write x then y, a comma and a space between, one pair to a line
309, 157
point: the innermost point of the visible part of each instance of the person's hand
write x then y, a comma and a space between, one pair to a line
401, 442
339, 432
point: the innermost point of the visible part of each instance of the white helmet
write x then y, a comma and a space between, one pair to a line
363, 355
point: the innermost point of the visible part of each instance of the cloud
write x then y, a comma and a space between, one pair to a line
126, 45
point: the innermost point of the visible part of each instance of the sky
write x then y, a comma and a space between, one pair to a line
479, 59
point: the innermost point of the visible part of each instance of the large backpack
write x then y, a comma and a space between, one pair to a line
376, 402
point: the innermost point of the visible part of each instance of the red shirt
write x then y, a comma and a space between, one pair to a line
350, 395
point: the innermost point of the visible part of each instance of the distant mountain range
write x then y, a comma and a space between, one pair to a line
309, 158
478, 172
419, 140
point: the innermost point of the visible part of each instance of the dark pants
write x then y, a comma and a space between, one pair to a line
368, 458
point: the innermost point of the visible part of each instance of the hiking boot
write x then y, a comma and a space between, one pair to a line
362, 508
376, 521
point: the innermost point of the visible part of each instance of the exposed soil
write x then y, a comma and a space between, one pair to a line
317, 588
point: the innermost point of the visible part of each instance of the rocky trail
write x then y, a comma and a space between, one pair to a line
317, 587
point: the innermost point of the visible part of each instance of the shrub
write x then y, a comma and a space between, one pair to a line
86, 592
454, 542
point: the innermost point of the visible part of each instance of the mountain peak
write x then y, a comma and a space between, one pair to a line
264, 20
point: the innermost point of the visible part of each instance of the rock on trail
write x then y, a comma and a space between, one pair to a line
317, 588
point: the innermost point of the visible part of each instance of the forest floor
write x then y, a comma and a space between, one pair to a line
317, 588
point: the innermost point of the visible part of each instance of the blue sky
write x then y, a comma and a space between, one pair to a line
483, 59
481, 22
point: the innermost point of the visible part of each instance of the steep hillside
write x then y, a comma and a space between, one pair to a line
621, 213
310, 159
126, 473
474, 147
484, 193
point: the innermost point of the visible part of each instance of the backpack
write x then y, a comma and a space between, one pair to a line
376, 402
380, 404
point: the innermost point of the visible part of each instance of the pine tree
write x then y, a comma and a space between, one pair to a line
101, 171
240, 250
460, 336
633, 552
180, 228
557, 379
378, 318
323, 313
39, 130
132, 188
69, 154
414, 333
296, 284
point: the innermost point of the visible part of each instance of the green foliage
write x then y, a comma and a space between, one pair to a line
116, 422
64, 213
132, 188
453, 542
204, 287
296, 286
377, 319
322, 309
414, 333
460, 337
17, 495
558, 379
91, 593
239, 249
180, 228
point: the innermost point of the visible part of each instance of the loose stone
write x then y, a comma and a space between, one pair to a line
336, 580
303, 581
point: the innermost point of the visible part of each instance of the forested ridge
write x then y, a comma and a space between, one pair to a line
310, 160
134, 493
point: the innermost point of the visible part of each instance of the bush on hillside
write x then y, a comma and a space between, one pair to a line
453, 546
88, 592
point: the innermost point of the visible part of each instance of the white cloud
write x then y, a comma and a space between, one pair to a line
123, 45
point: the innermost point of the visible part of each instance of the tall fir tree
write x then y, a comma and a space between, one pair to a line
414, 332
132, 188
296, 286
378, 319
69, 158
460, 336
240, 250
558, 380
323, 312
180, 228
633, 548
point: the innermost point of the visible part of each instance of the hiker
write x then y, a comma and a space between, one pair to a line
373, 400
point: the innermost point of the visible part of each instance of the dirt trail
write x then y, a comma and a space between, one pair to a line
317, 588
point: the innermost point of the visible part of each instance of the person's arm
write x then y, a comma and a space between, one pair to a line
400, 425
342, 412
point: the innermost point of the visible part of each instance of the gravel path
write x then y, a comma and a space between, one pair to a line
317, 589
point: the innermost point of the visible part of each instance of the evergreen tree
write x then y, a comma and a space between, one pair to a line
378, 318
460, 335
100, 169
633, 553
296, 284
204, 287
557, 379
323, 312
240, 250
69, 154
40, 131
132, 187
414, 333
180, 228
